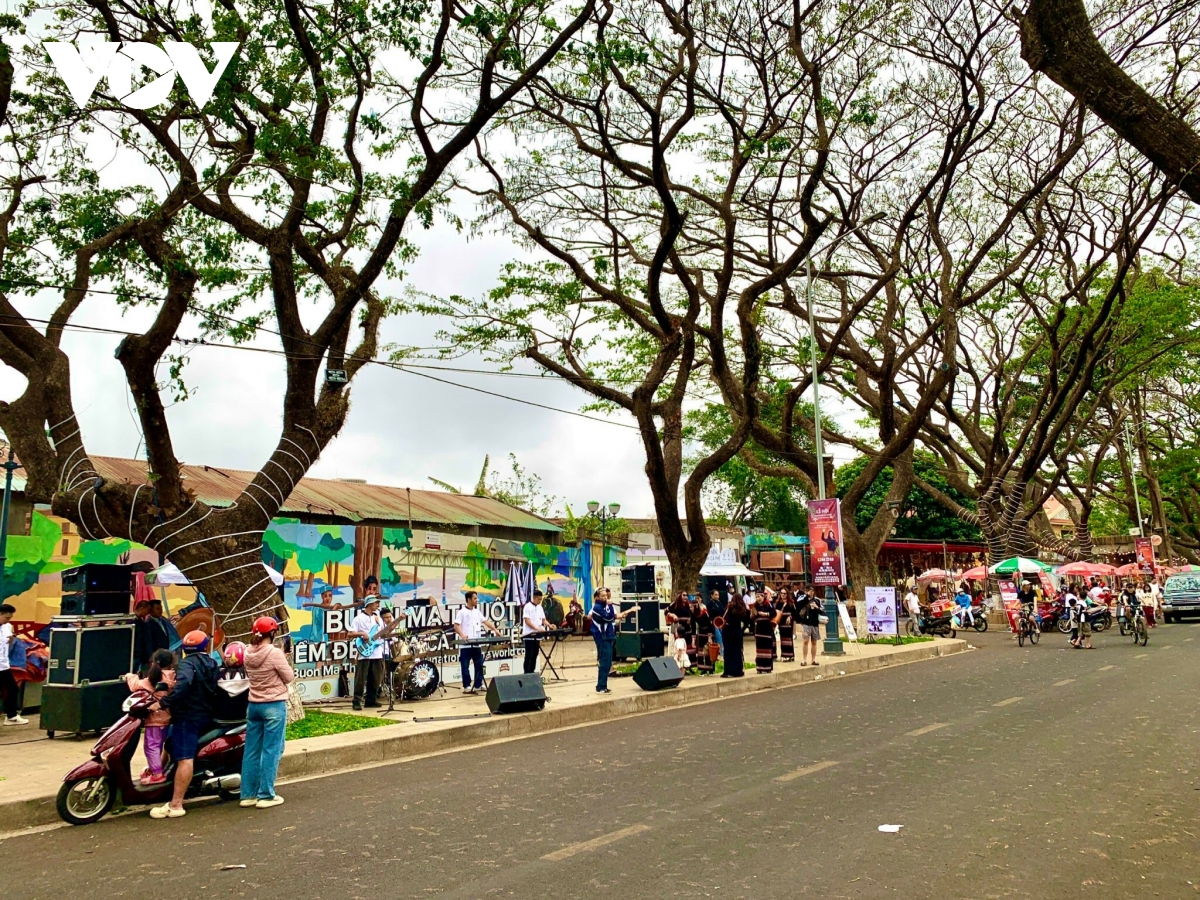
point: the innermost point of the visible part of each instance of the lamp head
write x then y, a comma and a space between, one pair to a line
614, 508
593, 506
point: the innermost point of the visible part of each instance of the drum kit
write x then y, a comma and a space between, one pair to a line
416, 676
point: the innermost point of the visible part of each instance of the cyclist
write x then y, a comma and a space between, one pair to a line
1028, 600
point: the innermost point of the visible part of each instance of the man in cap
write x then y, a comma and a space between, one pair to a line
191, 703
368, 669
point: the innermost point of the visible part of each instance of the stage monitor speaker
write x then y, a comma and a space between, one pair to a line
637, 580
516, 693
92, 654
98, 578
76, 709
658, 674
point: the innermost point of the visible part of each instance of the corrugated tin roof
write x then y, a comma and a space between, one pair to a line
353, 501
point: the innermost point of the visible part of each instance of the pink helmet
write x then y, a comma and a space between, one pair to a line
235, 653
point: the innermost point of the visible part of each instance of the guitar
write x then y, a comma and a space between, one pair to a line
375, 638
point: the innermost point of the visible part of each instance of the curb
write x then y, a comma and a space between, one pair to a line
338, 753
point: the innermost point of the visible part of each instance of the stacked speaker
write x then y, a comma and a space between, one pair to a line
91, 650
640, 635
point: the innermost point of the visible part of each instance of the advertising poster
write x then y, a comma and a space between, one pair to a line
881, 611
825, 542
1144, 548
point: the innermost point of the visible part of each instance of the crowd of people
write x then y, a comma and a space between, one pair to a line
199, 689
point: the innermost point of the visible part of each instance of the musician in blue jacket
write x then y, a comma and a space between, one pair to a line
368, 670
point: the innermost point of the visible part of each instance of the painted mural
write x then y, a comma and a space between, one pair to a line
406, 564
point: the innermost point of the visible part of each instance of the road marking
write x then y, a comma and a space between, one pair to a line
1063, 682
928, 728
806, 770
595, 843
1008, 702
1141, 656
1165, 647
1186, 640
1106, 668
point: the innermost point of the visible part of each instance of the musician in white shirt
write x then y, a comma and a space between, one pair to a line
469, 625
368, 670
533, 623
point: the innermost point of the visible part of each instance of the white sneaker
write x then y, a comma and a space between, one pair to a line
267, 804
252, 801
16, 720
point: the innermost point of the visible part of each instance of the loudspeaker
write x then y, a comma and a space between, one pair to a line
640, 645
649, 615
658, 674
88, 708
629, 624
95, 603
99, 579
637, 580
516, 693
95, 654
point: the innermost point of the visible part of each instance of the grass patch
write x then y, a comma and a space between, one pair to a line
898, 641
316, 723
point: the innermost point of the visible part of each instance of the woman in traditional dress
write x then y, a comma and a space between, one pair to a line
736, 617
787, 624
680, 613
702, 632
765, 616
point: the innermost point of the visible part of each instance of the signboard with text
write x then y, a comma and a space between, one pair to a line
825, 542
881, 611
1144, 548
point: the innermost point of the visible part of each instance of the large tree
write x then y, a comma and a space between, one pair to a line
279, 207
1058, 38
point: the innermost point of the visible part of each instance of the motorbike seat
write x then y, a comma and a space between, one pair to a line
219, 731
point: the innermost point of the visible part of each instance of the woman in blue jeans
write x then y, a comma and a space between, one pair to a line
604, 632
266, 717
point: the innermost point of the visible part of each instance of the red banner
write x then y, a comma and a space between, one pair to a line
825, 542
1144, 548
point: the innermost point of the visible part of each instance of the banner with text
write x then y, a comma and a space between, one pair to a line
825, 542
881, 611
1144, 548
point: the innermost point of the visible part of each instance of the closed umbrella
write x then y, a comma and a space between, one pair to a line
1020, 564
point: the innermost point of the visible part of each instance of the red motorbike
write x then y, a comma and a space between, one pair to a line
89, 791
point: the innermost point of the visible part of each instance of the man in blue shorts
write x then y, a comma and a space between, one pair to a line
191, 703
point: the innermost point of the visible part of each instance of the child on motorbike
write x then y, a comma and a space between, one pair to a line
161, 671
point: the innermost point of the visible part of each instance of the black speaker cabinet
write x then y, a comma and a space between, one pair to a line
99, 579
629, 624
640, 645
516, 693
87, 708
95, 603
637, 580
82, 654
658, 674
649, 615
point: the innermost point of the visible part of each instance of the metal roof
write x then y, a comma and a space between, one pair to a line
349, 500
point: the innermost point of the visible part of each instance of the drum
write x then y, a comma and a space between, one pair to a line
422, 680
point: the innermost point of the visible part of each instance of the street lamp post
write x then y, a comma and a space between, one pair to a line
9, 467
596, 511
833, 641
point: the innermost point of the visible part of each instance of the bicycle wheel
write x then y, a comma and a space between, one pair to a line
1034, 634
1021, 635
1145, 633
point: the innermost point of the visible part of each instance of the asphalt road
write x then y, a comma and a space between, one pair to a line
1038, 772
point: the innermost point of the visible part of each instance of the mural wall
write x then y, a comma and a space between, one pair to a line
407, 564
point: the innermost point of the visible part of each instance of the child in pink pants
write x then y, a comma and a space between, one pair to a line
162, 671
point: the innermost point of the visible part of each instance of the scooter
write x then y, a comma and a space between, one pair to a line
936, 625
89, 791
977, 619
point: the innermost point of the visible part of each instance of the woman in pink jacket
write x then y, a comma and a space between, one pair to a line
266, 718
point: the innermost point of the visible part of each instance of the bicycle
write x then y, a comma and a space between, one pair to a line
1137, 627
1027, 628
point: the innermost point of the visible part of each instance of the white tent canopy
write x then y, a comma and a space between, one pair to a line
170, 574
727, 570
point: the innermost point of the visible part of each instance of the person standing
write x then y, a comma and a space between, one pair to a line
8, 684
912, 603
469, 626
717, 604
703, 630
736, 617
190, 701
810, 629
764, 615
269, 673
604, 633
368, 670
787, 624
533, 623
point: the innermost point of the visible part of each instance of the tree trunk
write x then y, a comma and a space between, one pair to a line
368, 557
862, 568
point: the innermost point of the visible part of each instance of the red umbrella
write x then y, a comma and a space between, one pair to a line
979, 573
1086, 569
1131, 569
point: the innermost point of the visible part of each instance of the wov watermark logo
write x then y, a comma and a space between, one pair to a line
83, 67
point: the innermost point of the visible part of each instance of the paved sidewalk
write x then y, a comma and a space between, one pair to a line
32, 766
